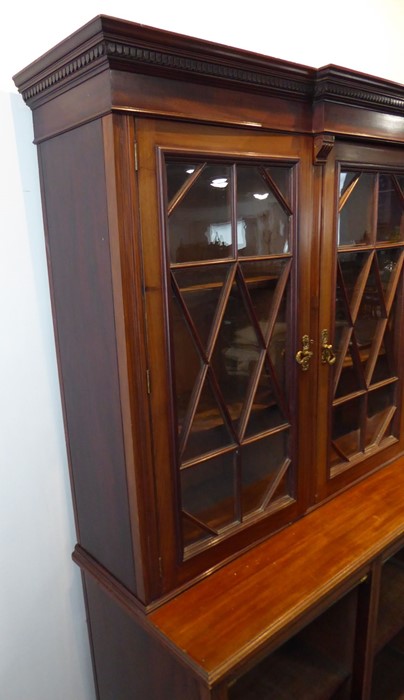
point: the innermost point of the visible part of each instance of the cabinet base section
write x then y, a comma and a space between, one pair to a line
129, 662
388, 674
294, 672
315, 664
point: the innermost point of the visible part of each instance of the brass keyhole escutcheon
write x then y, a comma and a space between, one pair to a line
328, 356
303, 356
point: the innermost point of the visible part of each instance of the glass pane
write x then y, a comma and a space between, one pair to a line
265, 222
353, 268
280, 175
345, 180
265, 411
383, 367
386, 364
372, 306
351, 378
208, 431
379, 413
343, 323
177, 175
371, 310
187, 363
192, 532
262, 280
389, 262
390, 217
261, 462
201, 289
336, 457
207, 491
346, 420
199, 227
356, 218
236, 353
277, 344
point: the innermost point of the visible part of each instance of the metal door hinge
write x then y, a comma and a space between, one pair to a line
161, 567
148, 383
136, 156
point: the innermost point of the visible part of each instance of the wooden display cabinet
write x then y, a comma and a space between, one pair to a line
225, 236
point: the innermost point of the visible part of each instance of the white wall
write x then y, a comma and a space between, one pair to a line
44, 652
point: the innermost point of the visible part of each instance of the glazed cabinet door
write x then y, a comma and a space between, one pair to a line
361, 314
226, 235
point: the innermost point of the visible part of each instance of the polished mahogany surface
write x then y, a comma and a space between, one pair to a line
235, 612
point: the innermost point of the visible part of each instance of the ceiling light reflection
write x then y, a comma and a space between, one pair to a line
261, 196
220, 182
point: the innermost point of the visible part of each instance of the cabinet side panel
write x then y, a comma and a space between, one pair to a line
129, 663
76, 223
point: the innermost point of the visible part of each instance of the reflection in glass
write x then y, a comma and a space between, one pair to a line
390, 217
185, 373
265, 411
229, 334
236, 353
209, 431
371, 306
207, 491
353, 267
380, 410
336, 457
199, 226
370, 312
356, 218
261, 462
343, 322
351, 378
277, 344
262, 280
192, 532
386, 363
346, 427
389, 262
280, 176
266, 222
346, 179
201, 292
177, 176
400, 180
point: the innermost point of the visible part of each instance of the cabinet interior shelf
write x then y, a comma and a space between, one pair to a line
250, 282
391, 609
294, 671
388, 674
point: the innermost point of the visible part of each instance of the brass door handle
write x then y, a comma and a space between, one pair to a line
328, 356
303, 356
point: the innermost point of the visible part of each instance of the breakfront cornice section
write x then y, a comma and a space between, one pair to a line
117, 45
335, 84
114, 57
